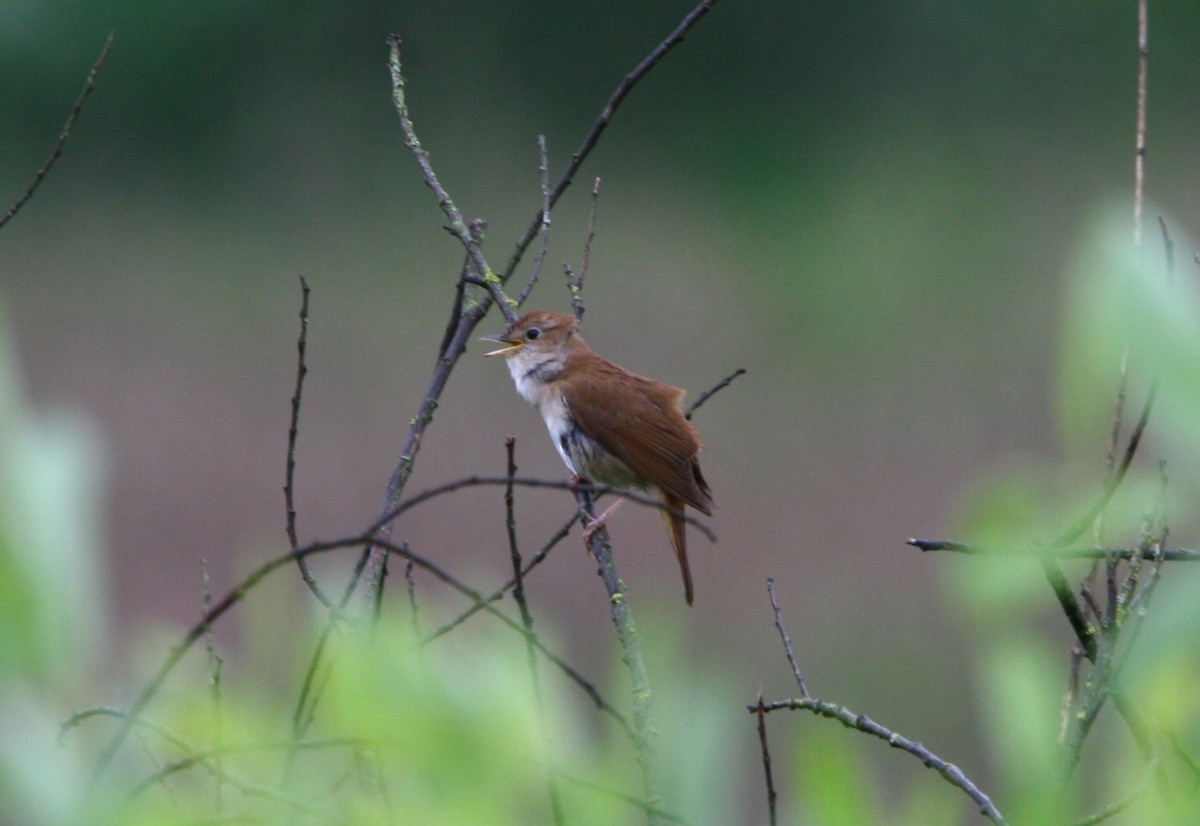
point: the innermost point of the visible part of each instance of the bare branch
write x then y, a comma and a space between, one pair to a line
860, 722
65, 133
243, 588
457, 226
593, 136
643, 728
544, 235
787, 641
575, 283
712, 391
1168, 555
766, 758
289, 496
539, 702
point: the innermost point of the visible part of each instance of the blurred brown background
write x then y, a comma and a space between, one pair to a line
869, 208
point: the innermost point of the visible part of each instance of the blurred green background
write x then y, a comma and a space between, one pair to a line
868, 206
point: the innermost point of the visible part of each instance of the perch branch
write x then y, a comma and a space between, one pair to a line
643, 728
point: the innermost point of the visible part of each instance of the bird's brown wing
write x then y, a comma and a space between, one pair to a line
641, 424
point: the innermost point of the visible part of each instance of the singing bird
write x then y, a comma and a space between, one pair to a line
610, 426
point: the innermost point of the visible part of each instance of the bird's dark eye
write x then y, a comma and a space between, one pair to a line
532, 333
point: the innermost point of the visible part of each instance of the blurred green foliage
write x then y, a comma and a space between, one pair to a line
871, 169
450, 734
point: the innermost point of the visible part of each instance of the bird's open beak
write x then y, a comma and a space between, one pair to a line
514, 344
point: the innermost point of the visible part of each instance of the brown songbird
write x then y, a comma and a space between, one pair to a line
610, 426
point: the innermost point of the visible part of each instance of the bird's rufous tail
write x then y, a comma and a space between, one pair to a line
673, 519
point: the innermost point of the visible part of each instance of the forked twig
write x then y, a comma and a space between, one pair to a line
601, 123
861, 722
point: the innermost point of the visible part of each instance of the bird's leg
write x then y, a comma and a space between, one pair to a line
598, 523
593, 523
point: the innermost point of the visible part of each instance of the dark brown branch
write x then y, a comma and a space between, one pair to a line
289, 496
860, 722
1167, 555
575, 282
1135, 439
596, 490
499, 593
712, 391
514, 552
593, 136
458, 226
766, 758
239, 593
544, 242
65, 133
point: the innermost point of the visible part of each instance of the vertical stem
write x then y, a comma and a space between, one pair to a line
631, 655
539, 702
1139, 158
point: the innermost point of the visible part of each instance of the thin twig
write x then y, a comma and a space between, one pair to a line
64, 133
1139, 155
458, 226
787, 641
466, 275
539, 703
200, 757
575, 283
243, 588
289, 484
544, 236
1168, 555
712, 391
410, 583
499, 593
1116, 808
601, 123
766, 758
529, 482
1110, 464
214, 683
860, 722
1135, 438
648, 808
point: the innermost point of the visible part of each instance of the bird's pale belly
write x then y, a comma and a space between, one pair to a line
587, 458
583, 455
